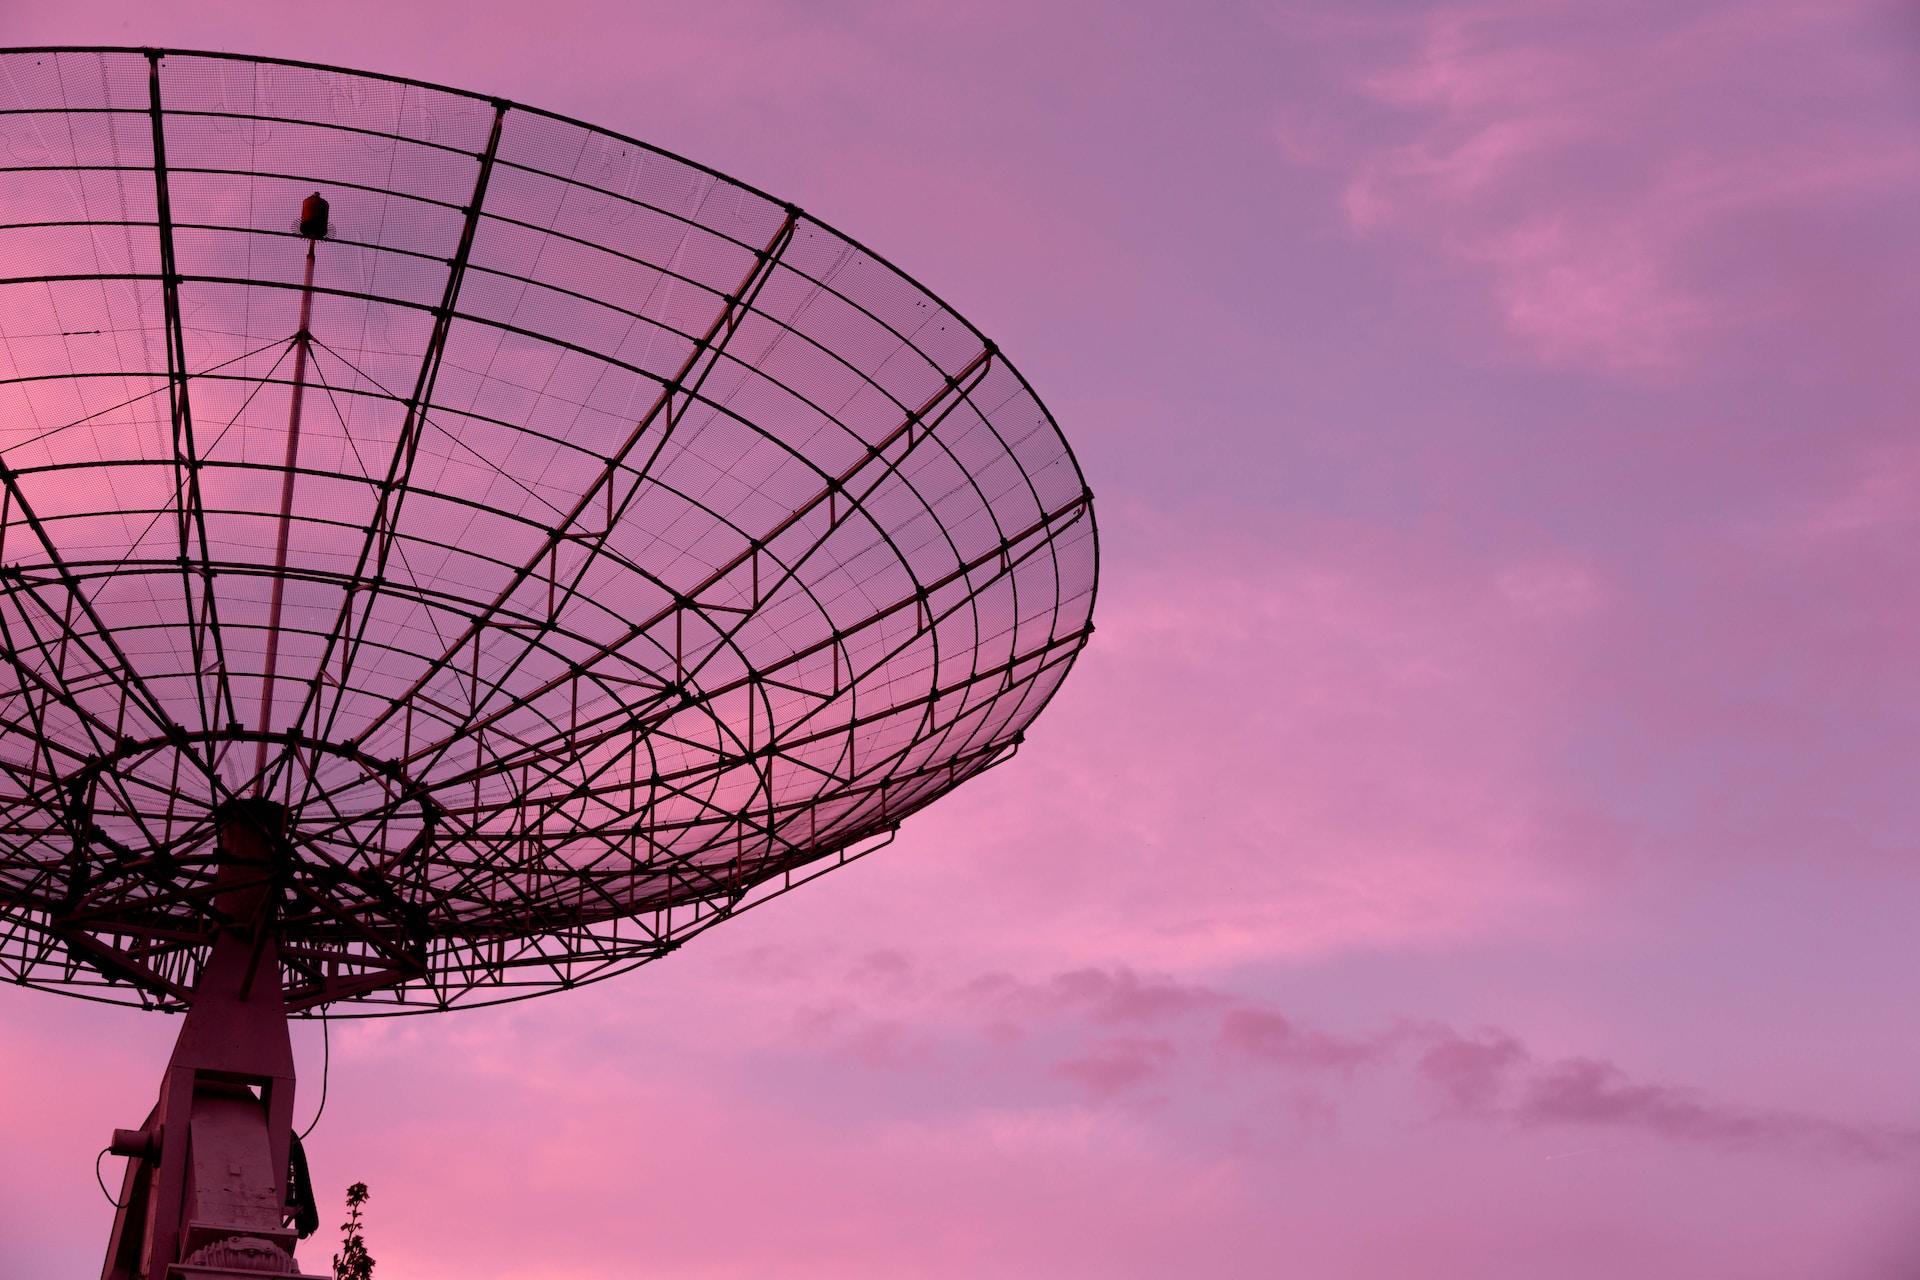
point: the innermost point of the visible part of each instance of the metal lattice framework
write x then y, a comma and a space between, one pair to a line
650, 548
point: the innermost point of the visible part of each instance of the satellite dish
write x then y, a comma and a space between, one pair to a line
450, 553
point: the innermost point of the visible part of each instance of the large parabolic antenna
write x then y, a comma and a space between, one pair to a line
449, 553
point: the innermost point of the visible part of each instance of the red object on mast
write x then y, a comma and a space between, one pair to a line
313, 217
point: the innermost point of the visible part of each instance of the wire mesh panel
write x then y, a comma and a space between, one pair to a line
612, 547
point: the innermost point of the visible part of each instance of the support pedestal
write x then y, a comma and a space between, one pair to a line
205, 1192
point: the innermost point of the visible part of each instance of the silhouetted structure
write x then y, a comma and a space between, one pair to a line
450, 553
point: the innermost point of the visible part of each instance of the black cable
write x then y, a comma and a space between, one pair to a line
326, 1069
103, 1182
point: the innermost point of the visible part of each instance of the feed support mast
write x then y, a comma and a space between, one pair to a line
207, 1193
215, 1187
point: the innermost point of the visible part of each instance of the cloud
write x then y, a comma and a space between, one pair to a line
1121, 1037
1594, 1094
1471, 1072
1492, 1076
1121, 995
1271, 1038
1117, 1065
1594, 164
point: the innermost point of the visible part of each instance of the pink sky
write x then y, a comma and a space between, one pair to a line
1479, 840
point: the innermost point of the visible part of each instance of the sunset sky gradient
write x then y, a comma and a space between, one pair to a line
1479, 840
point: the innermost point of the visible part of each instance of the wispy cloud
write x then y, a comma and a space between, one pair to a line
1118, 1064
1594, 163
1266, 1036
1588, 1093
1178, 1037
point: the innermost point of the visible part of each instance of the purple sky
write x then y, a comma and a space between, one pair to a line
1480, 839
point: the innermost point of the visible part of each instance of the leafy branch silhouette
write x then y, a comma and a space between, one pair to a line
353, 1262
